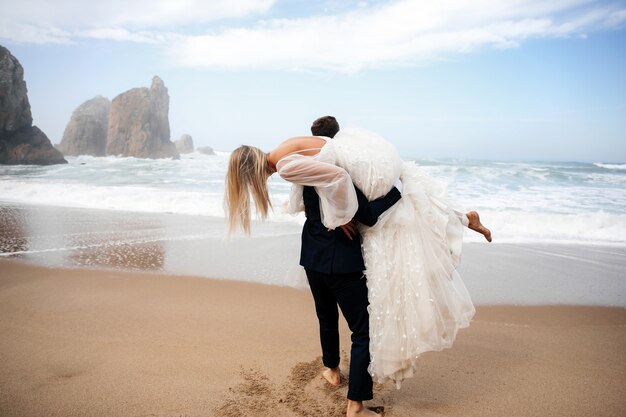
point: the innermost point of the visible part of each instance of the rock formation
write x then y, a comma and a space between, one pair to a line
207, 150
86, 133
20, 141
139, 124
184, 144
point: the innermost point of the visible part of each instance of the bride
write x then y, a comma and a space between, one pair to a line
417, 299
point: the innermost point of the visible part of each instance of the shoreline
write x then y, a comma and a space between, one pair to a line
173, 244
79, 342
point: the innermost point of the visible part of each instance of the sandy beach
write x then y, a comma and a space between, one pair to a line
97, 343
118, 314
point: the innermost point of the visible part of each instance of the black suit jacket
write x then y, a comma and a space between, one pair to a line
331, 252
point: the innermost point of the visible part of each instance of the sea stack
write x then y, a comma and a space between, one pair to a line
20, 141
185, 144
206, 150
86, 133
139, 124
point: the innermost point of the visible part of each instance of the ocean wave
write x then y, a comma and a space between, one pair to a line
610, 166
522, 202
524, 227
136, 198
510, 224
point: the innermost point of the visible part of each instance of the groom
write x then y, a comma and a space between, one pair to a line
334, 266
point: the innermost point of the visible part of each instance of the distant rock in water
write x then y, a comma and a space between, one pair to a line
184, 144
86, 133
207, 150
20, 141
139, 124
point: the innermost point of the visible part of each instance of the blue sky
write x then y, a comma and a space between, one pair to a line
483, 79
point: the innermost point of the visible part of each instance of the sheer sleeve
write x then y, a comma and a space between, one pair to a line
296, 199
338, 200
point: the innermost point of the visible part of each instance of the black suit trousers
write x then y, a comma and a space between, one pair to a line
349, 291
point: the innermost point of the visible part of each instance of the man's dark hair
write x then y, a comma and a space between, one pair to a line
325, 126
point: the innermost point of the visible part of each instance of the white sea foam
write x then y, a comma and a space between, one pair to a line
521, 202
583, 228
610, 166
128, 198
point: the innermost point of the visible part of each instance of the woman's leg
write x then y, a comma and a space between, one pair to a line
477, 226
471, 220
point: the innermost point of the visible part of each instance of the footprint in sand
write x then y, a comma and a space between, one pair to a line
254, 396
304, 394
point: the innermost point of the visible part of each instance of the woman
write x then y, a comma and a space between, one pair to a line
298, 160
417, 300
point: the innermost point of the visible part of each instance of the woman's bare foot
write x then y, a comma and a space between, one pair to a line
333, 376
476, 225
356, 409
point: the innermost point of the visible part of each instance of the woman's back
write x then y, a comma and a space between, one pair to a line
302, 145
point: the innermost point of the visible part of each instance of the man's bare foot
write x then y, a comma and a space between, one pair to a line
476, 225
356, 409
333, 376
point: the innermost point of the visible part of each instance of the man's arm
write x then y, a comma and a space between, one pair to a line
369, 211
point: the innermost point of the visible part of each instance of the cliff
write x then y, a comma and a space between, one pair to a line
20, 141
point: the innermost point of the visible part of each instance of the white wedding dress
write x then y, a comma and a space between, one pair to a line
418, 301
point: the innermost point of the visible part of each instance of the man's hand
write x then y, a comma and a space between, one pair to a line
350, 229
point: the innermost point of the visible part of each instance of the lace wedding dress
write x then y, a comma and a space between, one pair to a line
418, 301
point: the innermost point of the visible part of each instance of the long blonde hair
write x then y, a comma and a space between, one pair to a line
247, 174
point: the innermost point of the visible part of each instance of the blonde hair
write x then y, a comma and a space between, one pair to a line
247, 174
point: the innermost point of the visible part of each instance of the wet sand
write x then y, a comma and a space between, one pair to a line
530, 274
75, 342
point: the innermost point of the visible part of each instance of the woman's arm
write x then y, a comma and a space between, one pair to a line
338, 199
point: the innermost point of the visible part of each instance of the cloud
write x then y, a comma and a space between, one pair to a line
401, 33
64, 21
369, 35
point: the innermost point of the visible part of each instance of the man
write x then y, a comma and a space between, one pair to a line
334, 266
325, 126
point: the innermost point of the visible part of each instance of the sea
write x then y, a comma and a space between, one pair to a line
522, 202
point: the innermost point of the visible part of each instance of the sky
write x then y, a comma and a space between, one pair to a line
511, 80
